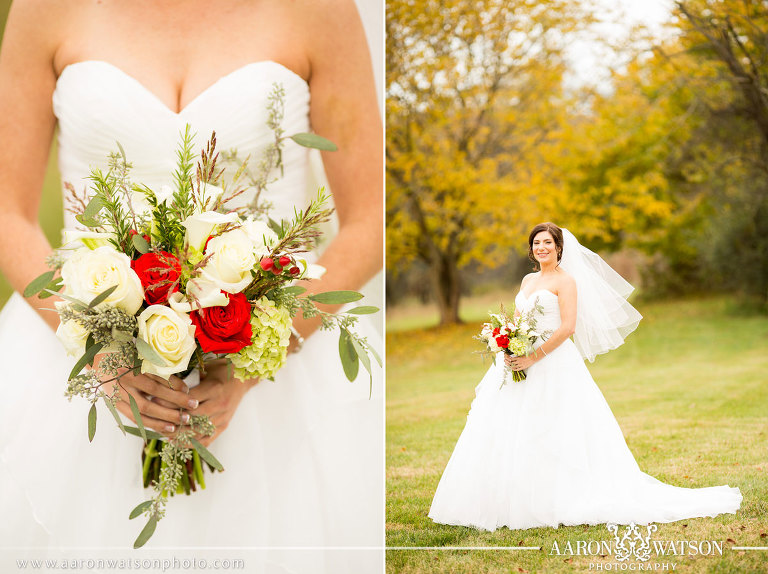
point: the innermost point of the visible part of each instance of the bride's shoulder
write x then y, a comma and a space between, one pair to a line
565, 280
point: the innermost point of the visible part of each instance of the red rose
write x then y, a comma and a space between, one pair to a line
158, 273
224, 329
496, 331
502, 341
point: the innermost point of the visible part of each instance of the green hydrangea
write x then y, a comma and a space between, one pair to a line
518, 346
268, 350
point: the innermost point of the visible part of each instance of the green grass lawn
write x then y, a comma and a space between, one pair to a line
690, 392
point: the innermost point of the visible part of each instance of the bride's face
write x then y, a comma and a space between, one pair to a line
544, 248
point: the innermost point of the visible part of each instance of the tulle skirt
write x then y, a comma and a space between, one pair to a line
548, 451
302, 490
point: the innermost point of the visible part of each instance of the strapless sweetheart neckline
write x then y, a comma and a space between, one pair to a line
252, 66
527, 297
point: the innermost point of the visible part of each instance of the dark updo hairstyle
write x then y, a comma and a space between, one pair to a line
557, 235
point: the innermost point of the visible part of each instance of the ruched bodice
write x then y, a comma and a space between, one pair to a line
98, 105
548, 317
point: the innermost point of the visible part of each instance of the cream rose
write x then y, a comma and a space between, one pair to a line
88, 273
171, 335
71, 334
231, 260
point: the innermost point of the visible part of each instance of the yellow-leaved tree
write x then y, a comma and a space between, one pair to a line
474, 90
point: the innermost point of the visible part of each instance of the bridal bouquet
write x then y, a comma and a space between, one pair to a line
164, 280
512, 335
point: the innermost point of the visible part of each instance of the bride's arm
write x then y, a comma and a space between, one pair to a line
344, 109
567, 297
27, 80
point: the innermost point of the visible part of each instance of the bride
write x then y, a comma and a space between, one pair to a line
303, 487
548, 450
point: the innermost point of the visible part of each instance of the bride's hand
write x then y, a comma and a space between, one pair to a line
519, 363
160, 402
219, 394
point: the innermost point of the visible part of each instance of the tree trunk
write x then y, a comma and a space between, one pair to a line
446, 286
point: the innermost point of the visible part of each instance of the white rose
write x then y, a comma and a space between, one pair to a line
171, 335
202, 293
231, 260
200, 226
72, 335
88, 273
261, 234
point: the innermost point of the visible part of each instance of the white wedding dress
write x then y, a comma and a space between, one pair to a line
303, 486
548, 451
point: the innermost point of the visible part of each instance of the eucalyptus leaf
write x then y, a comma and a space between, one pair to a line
336, 297
39, 283
93, 208
348, 355
139, 510
373, 352
366, 361
88, 222
294, 290
115, 414
77, 302
136, 432
102, 296
146, 534
314, 141
92, 422
86, 359
148, 353
363, 310
52, 288
141, 244
137, 417
206, 455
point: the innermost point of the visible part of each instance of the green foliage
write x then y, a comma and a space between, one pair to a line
182, 205
38, 284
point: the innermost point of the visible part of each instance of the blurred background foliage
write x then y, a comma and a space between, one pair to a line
664, 169
51, 214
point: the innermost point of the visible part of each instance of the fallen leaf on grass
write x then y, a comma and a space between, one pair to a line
731, 540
